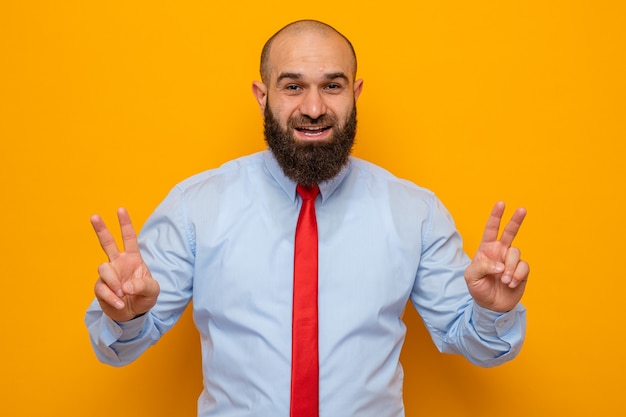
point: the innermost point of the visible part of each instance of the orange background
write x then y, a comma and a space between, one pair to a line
107, 104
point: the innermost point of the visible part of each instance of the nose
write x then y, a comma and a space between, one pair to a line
312, 104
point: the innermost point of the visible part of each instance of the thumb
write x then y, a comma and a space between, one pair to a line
146, 287
477, 270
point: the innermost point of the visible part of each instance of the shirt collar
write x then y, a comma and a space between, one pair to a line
289, 186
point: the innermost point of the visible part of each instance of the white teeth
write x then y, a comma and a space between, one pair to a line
313, 132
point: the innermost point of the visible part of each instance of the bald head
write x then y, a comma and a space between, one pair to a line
300, 28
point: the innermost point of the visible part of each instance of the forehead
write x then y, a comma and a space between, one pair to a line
311, 54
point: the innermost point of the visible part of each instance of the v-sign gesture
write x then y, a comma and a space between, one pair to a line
497, 276
125, 288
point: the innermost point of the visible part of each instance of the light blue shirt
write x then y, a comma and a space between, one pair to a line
224, 239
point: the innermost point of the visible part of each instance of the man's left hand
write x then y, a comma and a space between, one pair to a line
497, 276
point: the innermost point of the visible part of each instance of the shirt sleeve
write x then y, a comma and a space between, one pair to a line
166, 244
455, 322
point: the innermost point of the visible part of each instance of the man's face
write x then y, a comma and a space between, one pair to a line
309, 104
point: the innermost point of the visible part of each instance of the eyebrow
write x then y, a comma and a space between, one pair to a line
298, 76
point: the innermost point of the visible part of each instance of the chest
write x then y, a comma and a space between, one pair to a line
243, 273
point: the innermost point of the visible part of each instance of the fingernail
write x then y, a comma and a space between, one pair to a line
120, 293
119, 305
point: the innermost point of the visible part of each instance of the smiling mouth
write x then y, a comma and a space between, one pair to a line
313, 131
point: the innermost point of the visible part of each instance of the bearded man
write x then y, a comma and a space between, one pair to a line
306, 326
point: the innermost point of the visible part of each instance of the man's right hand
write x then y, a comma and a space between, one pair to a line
125, 288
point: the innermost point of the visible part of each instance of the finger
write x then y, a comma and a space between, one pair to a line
110, 278
493, 223
129, 237
106, 296
107, 242
520, 276
478, 270
513, 226
511, 259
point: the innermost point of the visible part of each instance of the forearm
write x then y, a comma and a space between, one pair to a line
455, 321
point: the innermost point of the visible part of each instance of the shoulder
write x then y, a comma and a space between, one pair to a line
224, 176
413, 210
383, 180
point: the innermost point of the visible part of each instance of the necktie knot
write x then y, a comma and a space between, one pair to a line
308, 192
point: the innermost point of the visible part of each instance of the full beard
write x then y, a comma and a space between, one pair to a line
314, 162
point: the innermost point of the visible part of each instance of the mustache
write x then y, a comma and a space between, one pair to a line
323, 120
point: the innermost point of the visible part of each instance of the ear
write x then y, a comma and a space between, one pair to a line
260, 93
358, 87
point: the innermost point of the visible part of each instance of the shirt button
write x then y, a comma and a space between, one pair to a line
115, 330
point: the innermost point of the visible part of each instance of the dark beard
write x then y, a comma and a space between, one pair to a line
311, 162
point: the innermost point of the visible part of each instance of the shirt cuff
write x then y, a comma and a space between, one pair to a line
489, 322
131, 329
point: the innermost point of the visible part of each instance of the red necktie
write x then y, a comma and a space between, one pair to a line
304, 361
